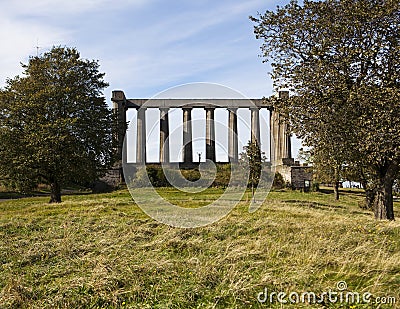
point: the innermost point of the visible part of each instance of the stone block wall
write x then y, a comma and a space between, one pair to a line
300, 174
110, 181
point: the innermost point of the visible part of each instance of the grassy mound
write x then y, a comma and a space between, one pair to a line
102, 251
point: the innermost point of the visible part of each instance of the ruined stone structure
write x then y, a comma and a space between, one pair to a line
280, 147
301, 177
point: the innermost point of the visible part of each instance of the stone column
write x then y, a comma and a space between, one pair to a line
286, 148
164, 134
187, 135
232, 136
255, 125
119, 107
280, 135
272, 137
210, 134
141, 136
120, 118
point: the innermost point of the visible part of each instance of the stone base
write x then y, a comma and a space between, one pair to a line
109, 182
299, 177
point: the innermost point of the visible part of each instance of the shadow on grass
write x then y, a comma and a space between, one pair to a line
9, 195
359, 212
315, 205
325, 190
328, 190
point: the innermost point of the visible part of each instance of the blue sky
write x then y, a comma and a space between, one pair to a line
143, 46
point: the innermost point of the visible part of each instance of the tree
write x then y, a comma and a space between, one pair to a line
328, 169
255, 157
326, 166
341, 59
305, 156
55, 126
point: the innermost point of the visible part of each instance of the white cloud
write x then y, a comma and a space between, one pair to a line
62, 7
25, 24
144, 45
183, 47
19, 40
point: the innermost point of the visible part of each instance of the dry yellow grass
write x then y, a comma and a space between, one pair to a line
101, 251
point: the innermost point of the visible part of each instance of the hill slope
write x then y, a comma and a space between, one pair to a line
102, 251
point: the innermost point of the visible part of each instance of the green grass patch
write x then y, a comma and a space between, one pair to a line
102, 251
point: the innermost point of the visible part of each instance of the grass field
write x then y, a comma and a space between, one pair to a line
102, 251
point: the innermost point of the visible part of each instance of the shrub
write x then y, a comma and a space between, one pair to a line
315, 186
279, 182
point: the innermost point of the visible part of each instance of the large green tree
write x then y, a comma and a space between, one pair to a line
341, 59
55, 126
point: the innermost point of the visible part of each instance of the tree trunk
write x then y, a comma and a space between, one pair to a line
369, 197
364, 184
336, 190
55, 192
383, 200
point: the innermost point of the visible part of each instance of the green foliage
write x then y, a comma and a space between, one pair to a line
156, 175
191, 174
315, 186
223, 176
341, 60
254, 157
55, 127
305, 156
279, 182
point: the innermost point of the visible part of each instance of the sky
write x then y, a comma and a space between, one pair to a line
144, 46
